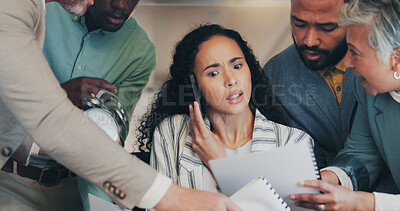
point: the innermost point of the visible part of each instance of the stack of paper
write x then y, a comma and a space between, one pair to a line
283, 167
259, 195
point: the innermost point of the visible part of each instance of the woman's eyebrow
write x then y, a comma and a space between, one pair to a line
217, 64
234, 59
329, 24
211, 66
352, 46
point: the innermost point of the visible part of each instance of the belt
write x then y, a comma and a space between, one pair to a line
47, 176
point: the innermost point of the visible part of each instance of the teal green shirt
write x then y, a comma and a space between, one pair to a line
124, 58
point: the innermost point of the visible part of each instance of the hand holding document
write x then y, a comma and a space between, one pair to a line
283, 167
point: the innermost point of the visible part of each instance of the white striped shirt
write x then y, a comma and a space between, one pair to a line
172, 153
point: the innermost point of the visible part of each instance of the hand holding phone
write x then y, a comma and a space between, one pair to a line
204, 141
196, 92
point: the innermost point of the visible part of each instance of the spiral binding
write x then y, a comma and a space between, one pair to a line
275, 193
314, 161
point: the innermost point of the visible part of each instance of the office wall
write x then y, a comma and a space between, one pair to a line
264, 25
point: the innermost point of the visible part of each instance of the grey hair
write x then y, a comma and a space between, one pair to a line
382, 19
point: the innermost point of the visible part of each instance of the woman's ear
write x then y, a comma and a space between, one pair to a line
395, 60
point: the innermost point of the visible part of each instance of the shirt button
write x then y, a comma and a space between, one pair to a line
122, 195
338, 88
112, 189
88, 36
6, 151
106, 184
117, 191
76, 17
79, 67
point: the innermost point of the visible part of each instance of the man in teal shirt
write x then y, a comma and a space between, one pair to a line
100, 44
103, 49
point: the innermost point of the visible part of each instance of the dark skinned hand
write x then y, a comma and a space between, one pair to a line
80, 88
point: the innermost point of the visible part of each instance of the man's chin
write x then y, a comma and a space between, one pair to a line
314, 65
112, 27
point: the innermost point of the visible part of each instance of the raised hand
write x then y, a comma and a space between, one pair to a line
205, 143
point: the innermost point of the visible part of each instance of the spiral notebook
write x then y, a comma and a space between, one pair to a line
259, 195
284, 167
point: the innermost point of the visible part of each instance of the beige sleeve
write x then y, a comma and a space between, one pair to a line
34, 97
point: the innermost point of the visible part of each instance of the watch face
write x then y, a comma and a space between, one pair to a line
105, 121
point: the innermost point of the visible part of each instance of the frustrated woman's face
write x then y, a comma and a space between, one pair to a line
223, 76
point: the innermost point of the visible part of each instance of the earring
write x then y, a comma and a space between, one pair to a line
396, 76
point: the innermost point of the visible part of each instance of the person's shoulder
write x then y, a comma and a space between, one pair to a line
173, 127
289, 51
135, 36
290, 135
283, 57
54, 8
137, 32
287, 60
177, 121
57, 18
283, 132
27, 12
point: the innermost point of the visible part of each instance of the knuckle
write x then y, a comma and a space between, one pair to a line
221, 196
335, 198
313, 198
335, 207
323, 184
198, 142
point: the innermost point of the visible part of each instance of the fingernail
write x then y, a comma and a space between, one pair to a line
297, 203
301, 183
190, 106
292, 197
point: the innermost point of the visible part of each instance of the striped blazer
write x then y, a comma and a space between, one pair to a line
172, 153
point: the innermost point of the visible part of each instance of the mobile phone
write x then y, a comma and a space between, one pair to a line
196, 92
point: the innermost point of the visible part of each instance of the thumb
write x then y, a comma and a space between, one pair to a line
231, 206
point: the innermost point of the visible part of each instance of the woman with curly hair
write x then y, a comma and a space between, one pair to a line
239, 109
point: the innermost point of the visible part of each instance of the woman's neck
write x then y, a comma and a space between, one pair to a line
233, 130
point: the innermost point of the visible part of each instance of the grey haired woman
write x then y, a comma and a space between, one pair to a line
370, 159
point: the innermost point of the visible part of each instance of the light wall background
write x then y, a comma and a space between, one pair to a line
263, 23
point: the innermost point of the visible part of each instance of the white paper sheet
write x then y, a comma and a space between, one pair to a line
97, 204
259, 195
283, 167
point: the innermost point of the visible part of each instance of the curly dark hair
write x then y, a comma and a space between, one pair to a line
175, 95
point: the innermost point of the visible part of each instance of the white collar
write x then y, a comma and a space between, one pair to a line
395, 95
